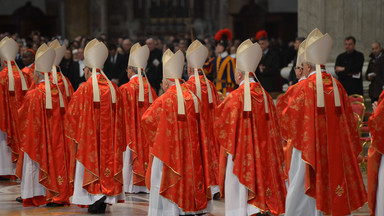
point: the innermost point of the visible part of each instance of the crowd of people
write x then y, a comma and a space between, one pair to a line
188, 123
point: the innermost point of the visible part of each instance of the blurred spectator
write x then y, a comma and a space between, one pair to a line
268, 71
70, 69
114, 65
375, 72
349, 66
154, 66
293, 79
75, 55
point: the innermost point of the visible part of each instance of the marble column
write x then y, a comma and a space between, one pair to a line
362, 19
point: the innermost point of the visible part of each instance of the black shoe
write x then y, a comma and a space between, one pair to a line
54, 205
19, 199
216, 196
98, 207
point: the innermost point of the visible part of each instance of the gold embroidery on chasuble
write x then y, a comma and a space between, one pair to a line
60, 180
268, 192
107, 172
339, 191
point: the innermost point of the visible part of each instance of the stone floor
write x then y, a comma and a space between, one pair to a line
135, 204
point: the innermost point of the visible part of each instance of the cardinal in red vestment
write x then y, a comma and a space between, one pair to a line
13, 87
29, 62
176, 176
376, 159
251, 160
57, 77
207, 94
95, 126
137, 96
324, 176
42, 167
280, 106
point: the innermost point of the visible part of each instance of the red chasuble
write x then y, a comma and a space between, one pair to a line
10, 102
207, 112
98, 138
28, 74
253, 139
175, 140
330, 144
376, 150
133, 111
42, 138
281, 105
60, 83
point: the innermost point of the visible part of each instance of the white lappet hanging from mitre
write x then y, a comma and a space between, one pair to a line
248, 57
60, 51
138, 57
95, 54
196, 55
173, 64
317, 49
8, 53
45, 57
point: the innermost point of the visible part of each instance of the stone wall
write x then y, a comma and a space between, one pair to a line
362, 19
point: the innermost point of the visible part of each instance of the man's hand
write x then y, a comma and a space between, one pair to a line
339, 69
261, 68
374, 105
371, 76
116, 81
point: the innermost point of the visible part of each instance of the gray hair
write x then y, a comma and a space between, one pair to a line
38, 74
313, 66
133, 68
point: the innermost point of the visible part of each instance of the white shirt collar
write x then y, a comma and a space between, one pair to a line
313, 72
251, 80
224, 54
265, 51
134, 76
30, 65
302, 78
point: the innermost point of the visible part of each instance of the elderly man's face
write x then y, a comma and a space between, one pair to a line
376, 49
150, 44
127, 44
263, 44
80, 53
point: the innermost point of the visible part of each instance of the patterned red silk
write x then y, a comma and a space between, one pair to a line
176, 141
60, 82
9, 104
133, 111
376, 151
98, 138
208, 114
253, 139
42, 138
329, 142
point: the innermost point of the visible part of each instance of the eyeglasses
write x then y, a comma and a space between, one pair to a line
299, 68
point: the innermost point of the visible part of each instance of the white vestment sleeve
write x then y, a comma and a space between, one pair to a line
380, 189
128, 175
82, 197
236, 194
6, 165
30, 186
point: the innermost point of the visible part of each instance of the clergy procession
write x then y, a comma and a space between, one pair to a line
193, 142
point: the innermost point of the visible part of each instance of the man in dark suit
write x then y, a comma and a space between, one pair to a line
268, 71
375, 72
126, 45
114, 65
154, 66
349, 66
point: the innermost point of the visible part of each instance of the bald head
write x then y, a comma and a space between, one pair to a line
127, 44
376, 48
